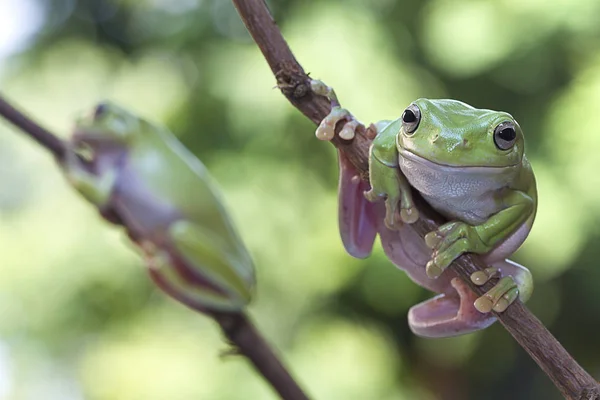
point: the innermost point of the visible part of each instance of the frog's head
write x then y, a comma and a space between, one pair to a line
452, 133
108, 125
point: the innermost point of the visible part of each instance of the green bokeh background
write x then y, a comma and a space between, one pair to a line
79, 318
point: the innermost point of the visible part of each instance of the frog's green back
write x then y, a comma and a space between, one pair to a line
174, 172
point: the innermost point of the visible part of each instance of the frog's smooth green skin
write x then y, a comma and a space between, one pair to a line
139, 175
470, 166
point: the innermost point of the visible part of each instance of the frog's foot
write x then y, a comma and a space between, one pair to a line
448, 314
516, 283
326, 129
499, 297
449, 242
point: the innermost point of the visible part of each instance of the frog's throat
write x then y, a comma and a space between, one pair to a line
467, 169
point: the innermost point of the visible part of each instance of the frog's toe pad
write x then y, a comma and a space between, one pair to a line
409, 215
326, 129
503, 294
448, 314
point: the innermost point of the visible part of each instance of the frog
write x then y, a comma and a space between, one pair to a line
140, 176
469, 165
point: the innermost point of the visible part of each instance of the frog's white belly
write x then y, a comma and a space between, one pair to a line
465, 193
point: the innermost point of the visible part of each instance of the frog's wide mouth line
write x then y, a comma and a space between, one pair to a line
488, 169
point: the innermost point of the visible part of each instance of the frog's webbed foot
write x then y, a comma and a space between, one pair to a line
456, 312
326, 129
449, 242
515, 283
448, 314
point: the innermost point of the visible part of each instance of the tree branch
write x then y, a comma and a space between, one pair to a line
235, 326
46, 139
568, 376
240, 331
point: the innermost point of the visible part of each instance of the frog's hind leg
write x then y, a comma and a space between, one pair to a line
449, 314
357, 217
454, 313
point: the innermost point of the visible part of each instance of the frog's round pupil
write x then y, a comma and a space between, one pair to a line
507, 134
409, 117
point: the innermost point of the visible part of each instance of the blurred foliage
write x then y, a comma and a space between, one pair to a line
80, 318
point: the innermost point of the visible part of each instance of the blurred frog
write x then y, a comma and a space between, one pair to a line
469, 165
140, 176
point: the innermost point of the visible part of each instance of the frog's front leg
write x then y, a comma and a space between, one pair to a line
95, 188
387, 181
455, 238
385, 176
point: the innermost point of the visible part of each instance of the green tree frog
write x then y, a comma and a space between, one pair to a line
140, 176
469, 165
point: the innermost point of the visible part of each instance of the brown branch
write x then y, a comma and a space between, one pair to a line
46, 139
240, 331
235, 326
572, 380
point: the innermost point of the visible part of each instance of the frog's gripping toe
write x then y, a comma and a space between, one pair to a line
448, 314
503, 294
326, 129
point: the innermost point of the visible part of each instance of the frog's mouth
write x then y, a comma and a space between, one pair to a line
467, 169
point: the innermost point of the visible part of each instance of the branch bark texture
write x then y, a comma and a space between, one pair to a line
566, 374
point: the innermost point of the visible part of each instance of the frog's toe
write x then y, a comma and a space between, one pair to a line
448, 314
409, 215
479, 278
433, 239
321, 88
392, 220
442, 259
348, 131
503, 294
326, 129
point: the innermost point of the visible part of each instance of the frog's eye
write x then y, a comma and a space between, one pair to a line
411, 118
100, 110
505, 135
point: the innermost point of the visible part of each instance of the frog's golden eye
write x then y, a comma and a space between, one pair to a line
411, 118
505, 135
